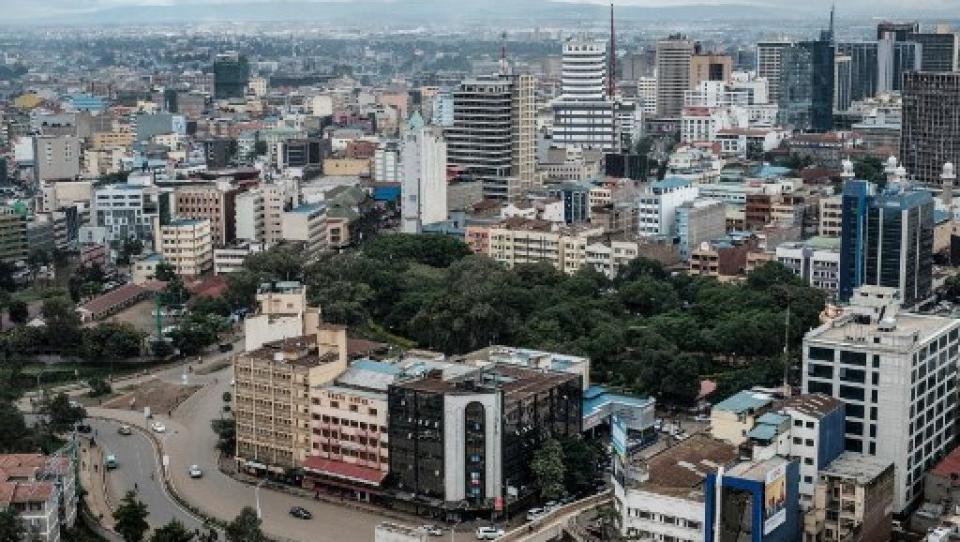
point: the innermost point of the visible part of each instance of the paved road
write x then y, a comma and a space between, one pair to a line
138, 471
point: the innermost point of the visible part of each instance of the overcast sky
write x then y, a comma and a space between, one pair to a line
26, 9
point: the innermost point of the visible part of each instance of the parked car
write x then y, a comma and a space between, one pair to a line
550, 505
300, 513
535, 514
195, 472
125, 430
158, 427
432, 530
110, 462
84, 428
489, 533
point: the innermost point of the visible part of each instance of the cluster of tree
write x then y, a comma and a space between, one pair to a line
64, 335
647, 331
565, 466
131, 524
226, 432
57, 416
127, 249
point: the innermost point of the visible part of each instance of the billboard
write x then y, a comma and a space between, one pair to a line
775, 498
618, 436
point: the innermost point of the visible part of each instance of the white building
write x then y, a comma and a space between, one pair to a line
423, 192
187, 245
386, 163
230, 259
818, 264
308, 224
896, 372
126, 211
259, 213
658, 205
442, 106
647, 95
583, 115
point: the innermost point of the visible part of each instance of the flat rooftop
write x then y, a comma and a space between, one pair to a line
755, 470
680, 470
847, 330
744, 401
516, 382
296, 351
862, 468
816, 405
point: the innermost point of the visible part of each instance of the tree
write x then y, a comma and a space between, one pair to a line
226, 432
174, 294
7, 282
62, 322
99, 387
245, 527
172, 532
131, 518
580, 459
951, 287
18, 311
870, 168
11, 526
549, 472
61, 415
227, 397
165, 272
37, 258
13, 428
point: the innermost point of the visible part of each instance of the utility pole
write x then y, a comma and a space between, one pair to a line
786, 351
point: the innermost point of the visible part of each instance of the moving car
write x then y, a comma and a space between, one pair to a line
125, 430
489, 533
535, 514
195, 471
432, 530
110, 462
300, 513
158, 427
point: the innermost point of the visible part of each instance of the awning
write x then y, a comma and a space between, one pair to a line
254, 465
344, 471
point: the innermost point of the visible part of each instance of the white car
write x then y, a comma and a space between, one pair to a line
195, 471
489, 533
534, 514
158, 427
432, 530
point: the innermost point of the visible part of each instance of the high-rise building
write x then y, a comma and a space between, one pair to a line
494, 131
807, 85
423, 189
674, 56
842, 79
938, 52
211, 202
56, 157
930, 134
583, 115
864, 68
710, 67
185, 244
886, 239
13, 235
900, 31
896, 372
769, 55
231, 74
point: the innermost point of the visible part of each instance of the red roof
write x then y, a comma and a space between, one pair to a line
211, 287
113, 298
345, 471
949, 466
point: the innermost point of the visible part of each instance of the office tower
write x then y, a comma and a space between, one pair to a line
938, 52
900, 31
56, 158
584, 116
673, 74
710, 67
494, 130
769, 55
807, 85
231, 74
842, 77
930, 134
896, 372
423, 189
214, 203
864, 67
886, 239
907, 57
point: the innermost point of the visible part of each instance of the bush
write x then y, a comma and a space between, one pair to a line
99, 387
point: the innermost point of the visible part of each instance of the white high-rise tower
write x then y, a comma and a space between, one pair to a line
423, 191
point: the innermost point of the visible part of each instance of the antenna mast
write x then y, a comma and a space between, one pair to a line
612, 76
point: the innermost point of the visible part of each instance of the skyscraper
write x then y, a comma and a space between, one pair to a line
231, 73
842, 77
807, 85
710, 67
584, 115
886, 239
423, 189
769, 55
673, 74
900, 31
930, 134
938, 52
494, 130
864, 68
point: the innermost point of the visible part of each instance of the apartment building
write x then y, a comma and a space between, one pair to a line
230, 259
831, 216
658, 205
185, 244
520, 240
13, 235
896, 372
698, 221
42, 490
272, 397
112, 140
610, 258
259, 213
307, 224
852, 501
722, 258
816, 261
214, 203
126, 211
56, 157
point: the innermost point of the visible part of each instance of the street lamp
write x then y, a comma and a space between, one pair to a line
256, 493
40, 391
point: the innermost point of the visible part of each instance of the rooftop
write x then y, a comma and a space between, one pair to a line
514, 381
910, 331
756, 470
682, 468
863, 468
596, 397
816, 405
744, 401
949, 466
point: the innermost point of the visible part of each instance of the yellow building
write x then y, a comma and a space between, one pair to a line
346, 166
517, 240
27, 101
272, 397
111, 140
186, 245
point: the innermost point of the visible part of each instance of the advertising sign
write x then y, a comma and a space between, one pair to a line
618, 436
775, 499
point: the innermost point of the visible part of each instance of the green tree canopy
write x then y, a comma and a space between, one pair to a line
130, 518
174, 531
245, 527
549, 470
11, 526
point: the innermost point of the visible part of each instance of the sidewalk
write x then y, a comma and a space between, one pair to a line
93, 479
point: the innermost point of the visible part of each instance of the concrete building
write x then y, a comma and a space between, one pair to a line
757, 501
42, 491
930, 133
674, 56
519, 240
658, 203
259, 213
455, 441
732, 418
423, 190
282, 313
215, 203
769, 64
939, 51
307, 224
816, 261
56, 158
893, 370
710, 67
230, 259
852, 501
13, 236
186, 245
272, 397
126, 211
493, 135
231, 75
387, 166
661, 497
831, 216
584, 115
698, 221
